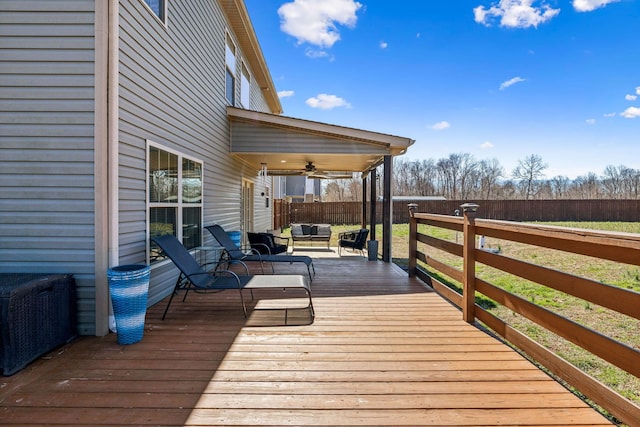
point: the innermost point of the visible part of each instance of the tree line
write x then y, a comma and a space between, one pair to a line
460, 176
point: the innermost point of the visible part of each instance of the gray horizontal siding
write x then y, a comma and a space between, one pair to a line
46, 142
251, 138
172, 93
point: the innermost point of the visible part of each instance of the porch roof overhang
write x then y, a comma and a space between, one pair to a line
287, 145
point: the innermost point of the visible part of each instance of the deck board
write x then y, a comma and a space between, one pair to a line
383, 350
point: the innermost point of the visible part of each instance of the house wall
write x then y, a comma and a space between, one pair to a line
53, 134
172, 92
47, 139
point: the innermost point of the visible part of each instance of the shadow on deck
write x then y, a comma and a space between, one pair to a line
383, 350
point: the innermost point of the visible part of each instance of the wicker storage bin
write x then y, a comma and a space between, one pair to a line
37, 314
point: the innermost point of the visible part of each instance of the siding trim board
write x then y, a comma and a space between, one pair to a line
103, 300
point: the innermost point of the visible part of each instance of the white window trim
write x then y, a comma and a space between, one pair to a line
244, 92
164, 11
179, 205
234, 72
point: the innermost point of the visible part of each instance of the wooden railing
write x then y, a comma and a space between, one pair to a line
618, 247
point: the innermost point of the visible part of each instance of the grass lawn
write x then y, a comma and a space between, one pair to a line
617, 326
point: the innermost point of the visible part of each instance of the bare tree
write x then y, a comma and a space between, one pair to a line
631, 182
544, 189
612, 181
425, 177
490, 173
336, 191
559, 186
447, 177
508, 190
460, 176
469, 176
456, 175
354, 186
529, 171
586, 186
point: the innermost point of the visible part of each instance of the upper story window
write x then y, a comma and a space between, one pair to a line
245, 88
174, 198
159, 7
230, 62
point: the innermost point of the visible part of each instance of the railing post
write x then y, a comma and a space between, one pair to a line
413, 240
469, 262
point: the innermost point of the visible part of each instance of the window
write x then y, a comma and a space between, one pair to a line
245, 88
159, 7
175, 198
230, 61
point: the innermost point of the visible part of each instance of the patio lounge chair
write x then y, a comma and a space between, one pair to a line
235, 254
193, 275
353, 239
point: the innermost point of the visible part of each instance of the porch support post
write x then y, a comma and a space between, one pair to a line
363, 222
387, 211
469, 262
373, 200
413, 240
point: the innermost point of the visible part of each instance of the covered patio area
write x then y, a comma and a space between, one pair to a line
286, 146
383, 350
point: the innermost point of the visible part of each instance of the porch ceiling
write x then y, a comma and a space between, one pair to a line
288, 145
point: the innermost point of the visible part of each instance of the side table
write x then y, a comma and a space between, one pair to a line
209, 255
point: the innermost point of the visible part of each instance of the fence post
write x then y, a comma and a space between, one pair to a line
413, 240
469, 262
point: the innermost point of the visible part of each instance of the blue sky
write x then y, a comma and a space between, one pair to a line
497, 79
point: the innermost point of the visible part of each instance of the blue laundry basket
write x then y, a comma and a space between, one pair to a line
129, 287
236, 236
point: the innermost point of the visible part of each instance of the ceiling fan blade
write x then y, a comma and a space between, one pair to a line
285, 173
332, 175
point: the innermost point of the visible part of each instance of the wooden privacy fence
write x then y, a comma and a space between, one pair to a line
281, 214
335, 213
510, 210
618, 247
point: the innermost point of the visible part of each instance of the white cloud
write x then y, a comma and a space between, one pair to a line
511, 82
609, 115
631, 97
441, 125
315, 53
327, 102
486, 145
589, 5
285, 93
638, 90
316, 22
631, 113
515, 13
591, 121
384, 45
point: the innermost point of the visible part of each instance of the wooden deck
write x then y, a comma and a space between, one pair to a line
383, 350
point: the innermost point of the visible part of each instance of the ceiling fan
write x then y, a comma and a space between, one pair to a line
310, 170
